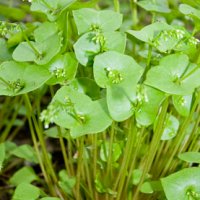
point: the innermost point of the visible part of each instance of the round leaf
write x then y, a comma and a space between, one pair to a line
86, 48
185, 182
119, 74
20, 78
105, 20
176, 75
63, 68
80, 113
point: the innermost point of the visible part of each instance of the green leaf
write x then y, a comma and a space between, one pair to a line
63, 69
40, 51
182, 104
189, 10
176, 75
117, 72
166, 38
65, 182
54, 133
25, 152
53, 9
87, 86
20, 78
149, 32
136, 176
185, 182
160, 6
75, 111
171, 127
26, 191
148, 105
105, 149
151, 186
88, 45
4, 53
191, 157
87, 19
23, 175
45, 30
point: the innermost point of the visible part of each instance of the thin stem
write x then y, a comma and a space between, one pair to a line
116, 5
78, 172
95, 147
109, 163
5, 133
154, 145
180, 137
38, 54
130, 146
46, 176
133, 5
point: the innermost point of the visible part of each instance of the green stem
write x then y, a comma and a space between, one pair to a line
154, 145
133, 5
38, 54
95, 148
116, 5
6, 132
181, 135
109, 163
79, 168
45, 174
42, 142
130, 146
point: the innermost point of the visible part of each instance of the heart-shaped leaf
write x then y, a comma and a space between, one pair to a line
63, 68
160, 6
176, 75
182, 104
185, 182
92, 43
87, 19
20, 78
76, 111
25, 152
23, 175
117, 72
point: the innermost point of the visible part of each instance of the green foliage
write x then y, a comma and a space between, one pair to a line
185, 183
115, 85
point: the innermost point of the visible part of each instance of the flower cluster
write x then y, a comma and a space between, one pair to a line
114, 76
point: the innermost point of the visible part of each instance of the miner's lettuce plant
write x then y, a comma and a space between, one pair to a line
108, 105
